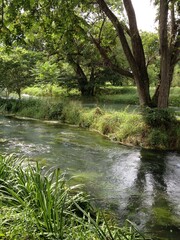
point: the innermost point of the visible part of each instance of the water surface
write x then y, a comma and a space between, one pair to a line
141, 185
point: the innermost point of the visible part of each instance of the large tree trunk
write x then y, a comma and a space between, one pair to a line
164, 87
142, 79
169, 49
135, 56
85, 87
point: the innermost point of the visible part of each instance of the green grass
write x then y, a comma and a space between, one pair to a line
33, 108
50, 91
38, 204
122, 95
118, 126
128, 95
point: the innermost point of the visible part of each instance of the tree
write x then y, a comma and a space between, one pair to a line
169, 44
151, 49
72, 38
15, 69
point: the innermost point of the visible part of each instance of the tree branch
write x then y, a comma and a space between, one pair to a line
107, 60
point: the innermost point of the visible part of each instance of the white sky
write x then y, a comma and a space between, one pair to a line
145, 14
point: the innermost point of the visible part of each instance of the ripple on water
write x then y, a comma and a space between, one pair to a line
29, 149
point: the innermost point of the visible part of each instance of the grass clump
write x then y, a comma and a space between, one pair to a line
71, 113
119, 126
32, 108
162, 128
39, 204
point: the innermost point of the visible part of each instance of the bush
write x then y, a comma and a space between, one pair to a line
158, 138
159, 117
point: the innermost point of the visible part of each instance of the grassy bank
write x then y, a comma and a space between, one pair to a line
38, 204
149, 129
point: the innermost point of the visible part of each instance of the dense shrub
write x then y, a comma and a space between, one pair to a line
158, 138
159, 117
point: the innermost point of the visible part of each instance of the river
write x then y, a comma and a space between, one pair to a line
136, 184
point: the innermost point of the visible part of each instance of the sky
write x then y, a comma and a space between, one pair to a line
145, 14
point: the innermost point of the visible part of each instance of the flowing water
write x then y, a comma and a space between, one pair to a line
141, 185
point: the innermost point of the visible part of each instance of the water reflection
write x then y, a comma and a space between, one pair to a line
151, 202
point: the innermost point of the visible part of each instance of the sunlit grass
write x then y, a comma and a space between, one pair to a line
50, 91
117, 125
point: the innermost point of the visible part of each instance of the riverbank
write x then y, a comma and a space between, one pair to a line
148, 129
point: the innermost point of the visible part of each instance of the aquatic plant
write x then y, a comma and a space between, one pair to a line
38, 204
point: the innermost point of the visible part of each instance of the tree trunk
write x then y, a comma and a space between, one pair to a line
164, 87
108, 62
18, 90
85, 87
169, 52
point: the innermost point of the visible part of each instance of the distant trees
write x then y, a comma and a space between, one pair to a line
15, 69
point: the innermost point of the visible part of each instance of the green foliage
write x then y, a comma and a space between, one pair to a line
15, 69
121, 95
158, 138
176, 77
154, 128
107, 123
71, 113
120, 126
39, 204
162, 128
159, 117
46, 72
131, 128
83, 39
45, 91
174, 96
33, 108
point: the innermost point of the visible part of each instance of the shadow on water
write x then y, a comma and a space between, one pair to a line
151, 205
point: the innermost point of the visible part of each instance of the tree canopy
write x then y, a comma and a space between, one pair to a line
94, 36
